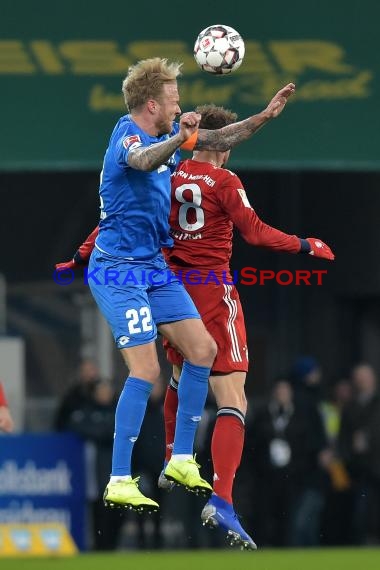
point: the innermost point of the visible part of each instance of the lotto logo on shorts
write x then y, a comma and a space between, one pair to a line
196, 418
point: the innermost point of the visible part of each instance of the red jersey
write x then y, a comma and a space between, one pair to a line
207, 202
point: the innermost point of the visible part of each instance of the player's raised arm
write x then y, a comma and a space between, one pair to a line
235, 203
149, 158
231, 135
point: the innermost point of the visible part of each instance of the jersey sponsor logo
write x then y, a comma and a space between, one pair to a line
123, 340
131, 140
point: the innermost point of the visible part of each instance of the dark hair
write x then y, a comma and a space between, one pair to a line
214, 117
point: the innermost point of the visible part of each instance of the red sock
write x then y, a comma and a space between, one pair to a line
170, 413
226, 451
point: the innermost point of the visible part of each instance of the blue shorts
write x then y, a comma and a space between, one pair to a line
136, 296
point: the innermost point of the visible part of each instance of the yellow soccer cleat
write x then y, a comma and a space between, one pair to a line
186, 473
126, 494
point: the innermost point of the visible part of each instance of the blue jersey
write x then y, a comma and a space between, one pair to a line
135, 205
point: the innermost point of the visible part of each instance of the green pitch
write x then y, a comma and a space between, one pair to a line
321, 559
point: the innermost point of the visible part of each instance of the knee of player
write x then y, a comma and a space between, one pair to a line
229, 398
213, 349
204, 352
210, 349
146, 371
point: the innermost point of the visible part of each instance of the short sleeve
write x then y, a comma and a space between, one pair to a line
124, 145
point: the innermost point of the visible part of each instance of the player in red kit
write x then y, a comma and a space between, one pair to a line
207, 202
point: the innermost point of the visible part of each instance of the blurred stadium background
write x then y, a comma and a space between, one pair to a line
315, 171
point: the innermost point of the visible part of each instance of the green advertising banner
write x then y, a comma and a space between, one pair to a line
62, 64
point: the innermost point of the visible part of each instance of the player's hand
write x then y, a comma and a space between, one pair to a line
320, 249
279, 101
66, 265
188, 124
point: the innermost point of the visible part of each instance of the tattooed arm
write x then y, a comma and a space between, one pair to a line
229, 136
149, 158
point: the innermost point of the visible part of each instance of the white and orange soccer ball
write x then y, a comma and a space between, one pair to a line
219, 49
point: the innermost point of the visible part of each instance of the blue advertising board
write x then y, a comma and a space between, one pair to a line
42, 479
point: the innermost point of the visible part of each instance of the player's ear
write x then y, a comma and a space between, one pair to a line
152, 106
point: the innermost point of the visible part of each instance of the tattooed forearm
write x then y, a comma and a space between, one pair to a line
228, 137
151, 157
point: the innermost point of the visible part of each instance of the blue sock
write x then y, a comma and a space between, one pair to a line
192, 394
129, 416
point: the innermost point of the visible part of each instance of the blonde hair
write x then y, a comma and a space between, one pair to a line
145, 80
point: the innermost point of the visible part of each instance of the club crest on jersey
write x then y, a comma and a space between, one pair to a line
131, 140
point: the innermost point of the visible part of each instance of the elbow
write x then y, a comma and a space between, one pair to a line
252, 240
141, 164
151, 167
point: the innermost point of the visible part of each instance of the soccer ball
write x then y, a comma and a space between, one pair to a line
219, 49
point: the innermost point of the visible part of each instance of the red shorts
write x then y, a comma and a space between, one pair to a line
222, 314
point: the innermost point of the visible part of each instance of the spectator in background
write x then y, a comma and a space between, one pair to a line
341, 394
308, 395
6, 421
92, 419
282, 453
78, 393
359, 446
307, 381
339, 491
